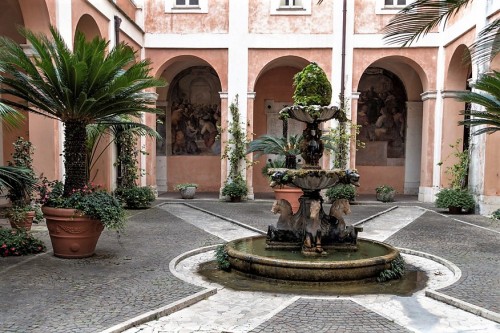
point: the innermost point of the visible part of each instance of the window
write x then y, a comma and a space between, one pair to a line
391, 6
291, 4
186, 6
290, 7
187, 3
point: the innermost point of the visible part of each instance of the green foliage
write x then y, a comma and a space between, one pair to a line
455, 197
136, 197
235, 153
183, 186
268, 144
18, 213
18, 243
277, 163
91, 200
312, 86
337, 142
341, 191
85, 85
385, 193
234, 189
496, 215
384, 189
222, 258
21, 192
487, 95
396, 271
458, 171
123, 132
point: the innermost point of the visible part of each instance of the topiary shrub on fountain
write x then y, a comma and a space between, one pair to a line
312, 86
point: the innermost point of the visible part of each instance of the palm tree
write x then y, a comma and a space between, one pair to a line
421, 17
79, 87
117, 129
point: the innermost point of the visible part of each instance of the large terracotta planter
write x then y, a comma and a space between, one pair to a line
23, 225
72, 235
291, 194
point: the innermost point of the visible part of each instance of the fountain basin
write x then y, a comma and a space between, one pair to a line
248, 255
311, 179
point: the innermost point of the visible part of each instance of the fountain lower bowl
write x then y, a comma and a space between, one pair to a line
247, 255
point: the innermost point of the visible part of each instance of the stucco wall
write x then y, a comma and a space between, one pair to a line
215, 21
318, 22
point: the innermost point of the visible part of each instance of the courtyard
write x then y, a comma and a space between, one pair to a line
145, 279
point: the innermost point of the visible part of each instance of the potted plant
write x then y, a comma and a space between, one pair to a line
341, 191
91, 84
187, 190
235, 187
385, 193
283, 147
136, 197
235, 190
456, 200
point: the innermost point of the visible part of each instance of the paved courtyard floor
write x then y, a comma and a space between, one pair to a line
146, 279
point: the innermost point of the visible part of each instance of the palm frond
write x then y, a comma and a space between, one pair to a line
269, 144
12, 177
419, 18
486, 95
487, 45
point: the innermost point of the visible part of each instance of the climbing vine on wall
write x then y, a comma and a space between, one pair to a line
127, 159
235, 148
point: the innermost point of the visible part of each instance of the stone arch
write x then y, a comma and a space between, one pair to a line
456, 80
273, 90
390, 111
192, 107
88, 26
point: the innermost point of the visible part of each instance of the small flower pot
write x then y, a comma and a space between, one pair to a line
24, 224
188, 192
386, 196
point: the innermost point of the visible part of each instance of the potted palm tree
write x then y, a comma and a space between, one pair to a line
80, 87
283, 147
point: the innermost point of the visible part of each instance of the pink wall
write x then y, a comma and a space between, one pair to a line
365, 22
276, 84
215, 21
127, 7
260, 60
373, 176
201, 170
318, 22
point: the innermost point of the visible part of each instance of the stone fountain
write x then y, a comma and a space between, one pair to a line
311, 245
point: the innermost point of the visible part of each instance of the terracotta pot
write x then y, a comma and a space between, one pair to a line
24, 225
291, 194
72, 235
